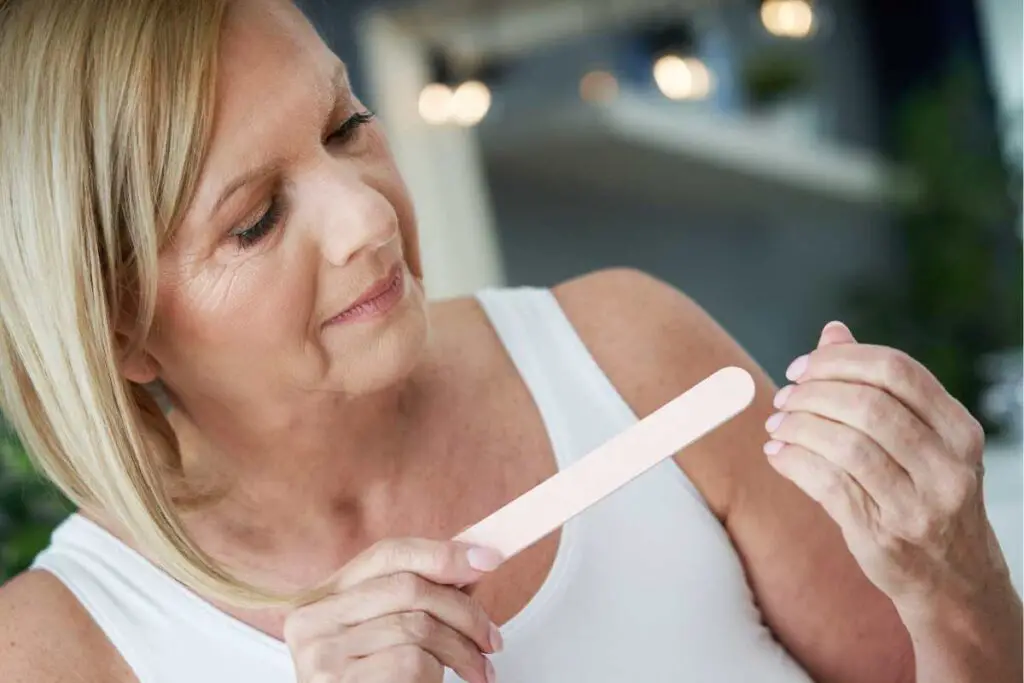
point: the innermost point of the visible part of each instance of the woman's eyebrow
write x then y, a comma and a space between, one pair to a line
339, 86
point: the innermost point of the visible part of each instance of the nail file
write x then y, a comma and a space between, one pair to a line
555, 501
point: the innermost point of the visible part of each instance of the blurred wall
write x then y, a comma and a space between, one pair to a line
1002, 24
771, 280
338, 23
771, 283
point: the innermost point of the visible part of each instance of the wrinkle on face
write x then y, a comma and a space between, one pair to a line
239, 330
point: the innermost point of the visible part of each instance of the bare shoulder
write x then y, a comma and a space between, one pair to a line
643, 329
47, 637
654, 342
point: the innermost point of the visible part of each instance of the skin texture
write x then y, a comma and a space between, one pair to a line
869, 433
414, 425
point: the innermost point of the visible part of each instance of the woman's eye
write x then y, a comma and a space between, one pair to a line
347, 129
263, 226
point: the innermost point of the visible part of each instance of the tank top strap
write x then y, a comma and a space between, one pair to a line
572, 393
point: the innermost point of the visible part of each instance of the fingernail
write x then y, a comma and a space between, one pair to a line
782, 396
497, 642
796, 368
492, 675
483, 559
773, 422
772, 447
840, 324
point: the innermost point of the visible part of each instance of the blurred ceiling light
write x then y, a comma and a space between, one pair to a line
683, 78
459, 92
599, 86
678, 72
470, 103
788, 18
436, 103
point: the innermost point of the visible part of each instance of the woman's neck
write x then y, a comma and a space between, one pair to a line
341, 475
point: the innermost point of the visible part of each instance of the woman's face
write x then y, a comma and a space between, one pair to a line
299, 215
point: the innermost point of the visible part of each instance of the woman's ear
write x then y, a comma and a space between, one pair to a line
139, 368
137, 365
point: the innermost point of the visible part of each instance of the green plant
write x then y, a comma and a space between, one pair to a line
29, 507
770, 77
957, 295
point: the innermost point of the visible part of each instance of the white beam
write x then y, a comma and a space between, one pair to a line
1002, 24
510, 29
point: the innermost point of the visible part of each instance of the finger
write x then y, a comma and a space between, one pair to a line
852, 451
418, 629
835, 332
845, 501
875, 414
403, 663
394, 594
443, 562
895, 372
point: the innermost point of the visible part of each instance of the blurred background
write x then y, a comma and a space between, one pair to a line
784, 162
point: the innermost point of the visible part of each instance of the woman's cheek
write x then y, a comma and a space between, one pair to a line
217, 308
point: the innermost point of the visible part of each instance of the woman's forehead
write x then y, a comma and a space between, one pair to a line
269, 42
276, 82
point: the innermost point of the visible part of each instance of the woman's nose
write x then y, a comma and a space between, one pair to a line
351, 217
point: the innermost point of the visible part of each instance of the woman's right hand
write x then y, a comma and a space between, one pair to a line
395, 614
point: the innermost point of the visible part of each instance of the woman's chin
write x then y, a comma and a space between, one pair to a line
380, 360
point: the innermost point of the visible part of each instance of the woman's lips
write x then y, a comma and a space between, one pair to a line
376, 302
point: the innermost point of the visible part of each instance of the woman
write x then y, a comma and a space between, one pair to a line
198, 212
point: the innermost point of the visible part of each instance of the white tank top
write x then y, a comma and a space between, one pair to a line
645, 587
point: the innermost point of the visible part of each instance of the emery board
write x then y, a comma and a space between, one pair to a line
555, 501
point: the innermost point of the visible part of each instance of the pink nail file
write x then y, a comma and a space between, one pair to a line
674, 426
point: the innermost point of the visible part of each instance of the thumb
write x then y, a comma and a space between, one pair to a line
835, 333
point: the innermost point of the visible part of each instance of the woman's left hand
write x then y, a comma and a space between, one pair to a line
872, 436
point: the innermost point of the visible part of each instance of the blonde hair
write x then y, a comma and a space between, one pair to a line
104, 121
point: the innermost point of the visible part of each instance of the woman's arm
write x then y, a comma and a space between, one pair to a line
654, 343
976, 637
47, 637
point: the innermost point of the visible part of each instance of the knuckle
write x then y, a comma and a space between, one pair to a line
898, 369
315, 658
413, 662
794, 424
419, 555
419, 627
409, 589
852, 446
961, 486
297, 626
443, 557
395, 553
974, 436
913, 438
874, 406
834, 485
